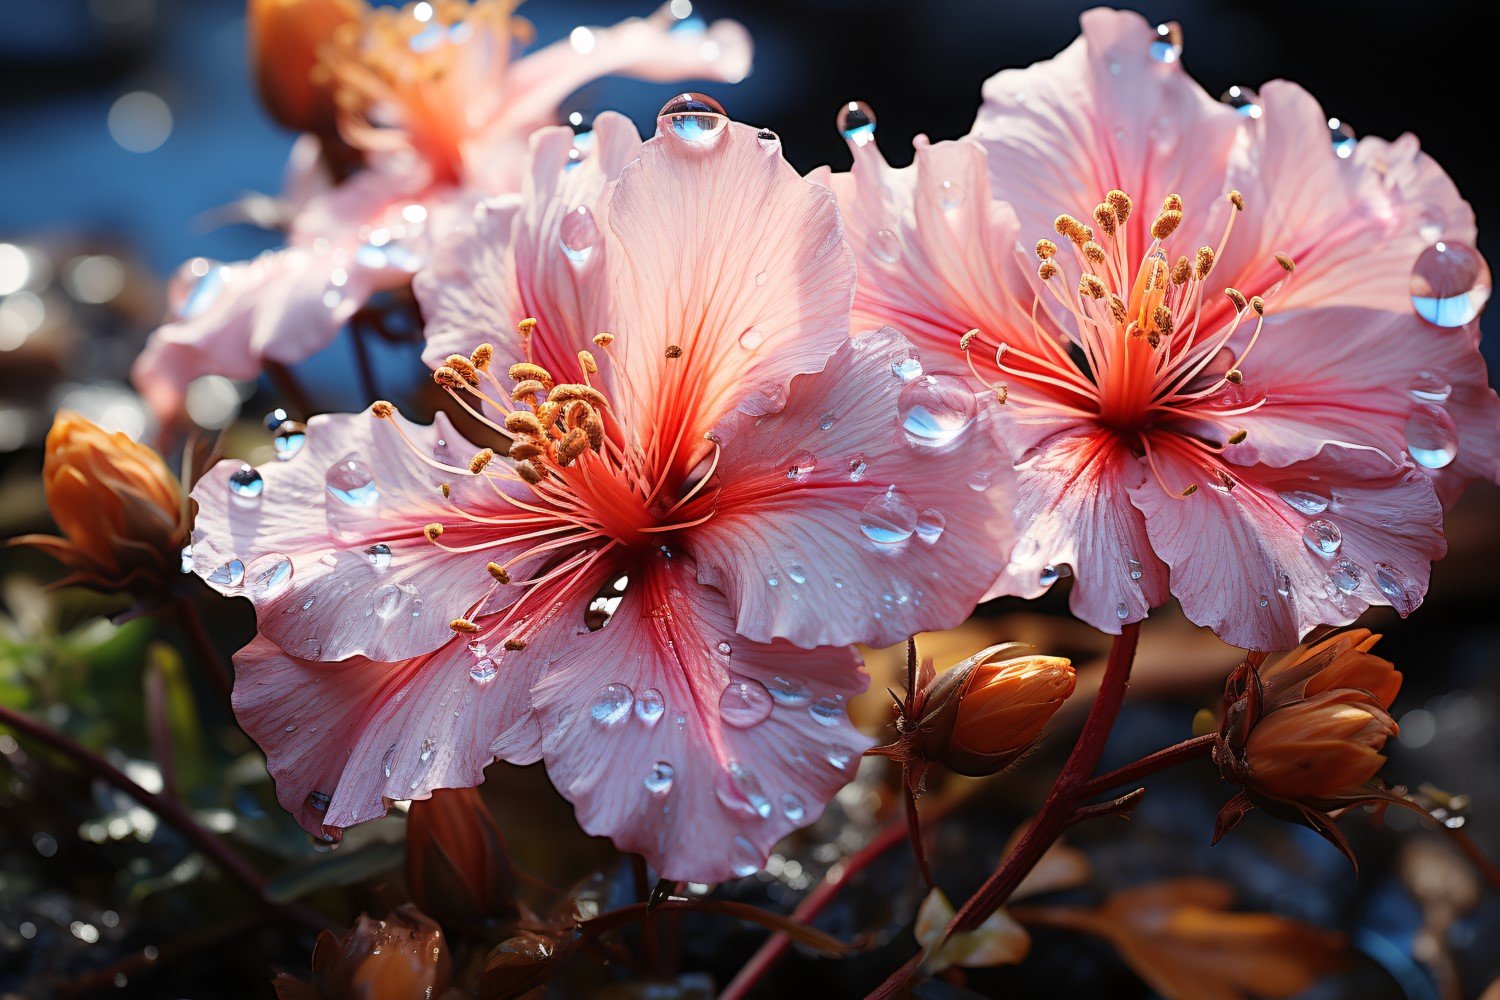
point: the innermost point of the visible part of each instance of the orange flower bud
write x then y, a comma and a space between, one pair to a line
457, 865
1323, 747
285, 38
393, 959
121, 510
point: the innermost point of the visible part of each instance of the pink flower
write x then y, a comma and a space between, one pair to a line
1256, 427
431, 97
708, 497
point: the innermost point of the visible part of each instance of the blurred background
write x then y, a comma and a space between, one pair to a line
127, 126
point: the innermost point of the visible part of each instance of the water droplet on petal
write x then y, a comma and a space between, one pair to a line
1134, 567
950, 194
1121, 611
231, 574
885, 245
934, 410
318, 801
980, 480
246, 482
725, 649
350, 481
578, 234
1431, 437
745, 702
1450, 283
650, 706
801, 466
768, 139
1401, 590
907, 369
1244, 100
797, 572
1322, 537
787, 691
856, 122
744, 859
275, 419
289, 439
659, 778
1051, 574
269, 576
1283, 585
379, 555
792, 807
888, 519
1344, 575
187, 562
857, 468
612, 704
1430, 223
483, 671
827, 710
1305, 502
693, 117
1263, 601
744, 789
930, 525
1430, 387
752, 338
1166, 47
825, 422
1341, 134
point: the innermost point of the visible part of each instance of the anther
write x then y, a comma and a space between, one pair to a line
603, 339
482, 356
1091, 286
1093, 252
499, 572
1162, 317
1181, 271
967, 339
1104, 216
464, 367
445, 489
1166, 223
1002, 392
573, 444
524, 370
448, 378
1235, 296
433, 531
515, 645
523, 422
547, 413
1121, 203
1234, 376
382, 409
673, 352
529, 472
1074, 230
1258, 304
1287, 264
527, 326
522, 450
586, 359
1154, 339
567, 392
480, 460
1237, 200
1117, 307
463, 625
1172, 203
1204, 262
1225, 479
1048, 270
1189, 490
527, 391
1238, 437
1045, 249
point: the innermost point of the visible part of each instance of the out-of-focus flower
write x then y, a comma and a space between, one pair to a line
997, 941
654, 590
1228, 376
284, 37
431, 96
1304, 736
121, 511
457, 865
982, 715
1180, 937
397, 958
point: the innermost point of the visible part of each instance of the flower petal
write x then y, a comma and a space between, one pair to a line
686, 743
720, 249
832, 527
1242, 560
329, 545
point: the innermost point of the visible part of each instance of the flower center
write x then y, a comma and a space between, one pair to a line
1137, 342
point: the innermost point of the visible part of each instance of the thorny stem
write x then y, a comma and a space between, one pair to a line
208, 656
1067, 792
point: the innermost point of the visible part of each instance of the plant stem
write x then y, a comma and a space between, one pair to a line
1062, 801
1198, 746
203, 648
357, 328
914, 833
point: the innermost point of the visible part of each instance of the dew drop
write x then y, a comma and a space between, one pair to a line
379, 555
1322, 537
1401, 590
950, 195
1244, 100
856, 122
1344, 575
578, 234
857, 468
801, 466
1166, 47
792, 807
930, 525
797, 573
885, 245
1450, 283
837, 757
1263, 601
187, 562
827, 710
692, 117
1429, 387
906, 369
745, 790
1341, 134
659, 778
725, 649
612, 704
744, 703
768, 139
650, 706
934, 410
752, 338
786, 691
318, 801
246, 482
1283, 585
289, 439
825, 422
744, 859
1134, 567
351, 482
231, 574
1121, 611
1051, 574
1431, 437
980, 480
269, 576
888, 519
1305, 502
275, 419
483, 671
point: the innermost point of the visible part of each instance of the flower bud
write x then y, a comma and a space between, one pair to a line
121, 510
988, 711
393, 959
457, 865
285, 36
1323, 747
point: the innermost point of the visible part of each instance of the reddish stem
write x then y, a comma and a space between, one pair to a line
210, 661
914, 833
1062, 801
1198, 746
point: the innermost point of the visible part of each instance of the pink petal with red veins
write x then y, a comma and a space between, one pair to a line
646, 48
720, 249
687, 743
1073, 509
833, 526
511, 263
1242, 560
1104, 114
1371, 375
331, 549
